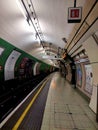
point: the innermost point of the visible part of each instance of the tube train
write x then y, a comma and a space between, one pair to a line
19, 74
16, 64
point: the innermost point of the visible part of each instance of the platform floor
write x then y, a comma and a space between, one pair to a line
66, 109
54, 105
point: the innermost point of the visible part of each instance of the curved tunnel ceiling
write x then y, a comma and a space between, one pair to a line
52, 19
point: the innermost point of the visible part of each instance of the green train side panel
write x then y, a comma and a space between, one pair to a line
44, 68
8, 48
20, 61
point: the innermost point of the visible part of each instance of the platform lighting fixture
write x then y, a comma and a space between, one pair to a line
59, 48
50, 44
34, 22
64, 39
20, 6
35, 19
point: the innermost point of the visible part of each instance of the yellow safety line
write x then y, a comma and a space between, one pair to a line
27, 109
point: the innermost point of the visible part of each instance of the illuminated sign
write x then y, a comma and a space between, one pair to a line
74, 14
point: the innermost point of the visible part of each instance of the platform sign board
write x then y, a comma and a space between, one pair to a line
74, 14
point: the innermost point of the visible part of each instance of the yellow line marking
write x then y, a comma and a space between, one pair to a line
28, 107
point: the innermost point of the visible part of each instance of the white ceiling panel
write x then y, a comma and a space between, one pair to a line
52, 17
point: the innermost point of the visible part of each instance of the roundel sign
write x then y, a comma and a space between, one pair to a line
74, 14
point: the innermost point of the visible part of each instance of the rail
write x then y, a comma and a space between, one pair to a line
97, 106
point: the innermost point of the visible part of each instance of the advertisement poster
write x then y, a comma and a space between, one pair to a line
79, 75
89, 79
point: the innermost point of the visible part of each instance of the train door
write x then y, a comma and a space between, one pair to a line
10, 64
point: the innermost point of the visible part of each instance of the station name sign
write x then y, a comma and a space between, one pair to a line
74, 14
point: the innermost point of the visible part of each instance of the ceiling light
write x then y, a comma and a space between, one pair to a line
21, 8
64, 39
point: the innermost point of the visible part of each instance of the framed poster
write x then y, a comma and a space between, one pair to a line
89, 79
79, 75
